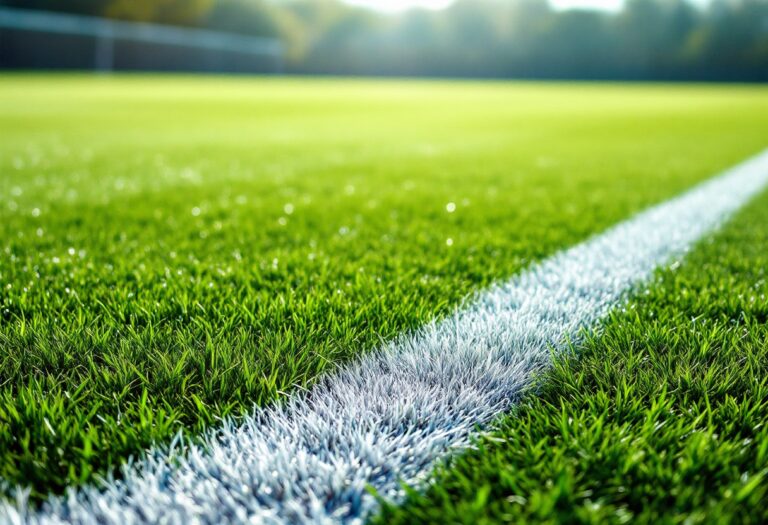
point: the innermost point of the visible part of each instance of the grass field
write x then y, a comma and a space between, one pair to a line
660, 418
178, 249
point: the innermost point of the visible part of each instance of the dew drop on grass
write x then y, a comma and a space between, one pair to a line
288, 208
195, 211
450, 207
449, 242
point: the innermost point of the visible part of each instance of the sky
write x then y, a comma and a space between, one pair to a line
401, 5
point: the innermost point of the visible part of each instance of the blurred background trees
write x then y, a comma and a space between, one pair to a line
647, 39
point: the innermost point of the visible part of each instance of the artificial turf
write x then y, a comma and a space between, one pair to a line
175, 250
661, 417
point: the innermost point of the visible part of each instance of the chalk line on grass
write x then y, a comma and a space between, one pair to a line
389, 416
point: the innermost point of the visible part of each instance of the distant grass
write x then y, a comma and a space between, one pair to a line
662, 418
177, 249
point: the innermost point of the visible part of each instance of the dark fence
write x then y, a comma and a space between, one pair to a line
40, 40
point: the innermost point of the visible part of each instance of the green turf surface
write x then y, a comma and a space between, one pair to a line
661, 418
177, 249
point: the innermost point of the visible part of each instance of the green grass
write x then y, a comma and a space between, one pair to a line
660, 418
175, 250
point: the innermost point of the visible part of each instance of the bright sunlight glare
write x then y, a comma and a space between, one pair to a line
403, 5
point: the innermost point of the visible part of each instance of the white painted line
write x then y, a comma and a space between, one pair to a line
390, 416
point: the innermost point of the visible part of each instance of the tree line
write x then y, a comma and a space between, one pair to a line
647, 39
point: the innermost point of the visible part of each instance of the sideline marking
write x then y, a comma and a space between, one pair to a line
391, 415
